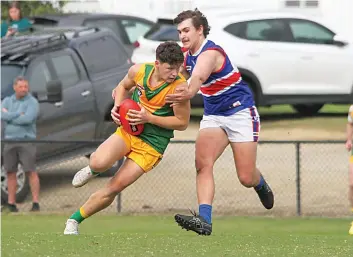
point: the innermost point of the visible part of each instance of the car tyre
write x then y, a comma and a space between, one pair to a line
23, 187
307, 109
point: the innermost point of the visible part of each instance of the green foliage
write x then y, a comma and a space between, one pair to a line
30, 8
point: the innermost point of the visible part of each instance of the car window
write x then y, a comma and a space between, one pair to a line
39, 77
104, 23
163, 32
66, 70
266, 30
263, 30
310, 32
102, 54
236, 29
134, 29
8, 75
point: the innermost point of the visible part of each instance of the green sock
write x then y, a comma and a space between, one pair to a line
78, 216
93, 172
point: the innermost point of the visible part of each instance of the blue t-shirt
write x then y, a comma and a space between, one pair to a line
20, 26
20, 117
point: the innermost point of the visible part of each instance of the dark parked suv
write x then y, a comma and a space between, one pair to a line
126, 27
80, 68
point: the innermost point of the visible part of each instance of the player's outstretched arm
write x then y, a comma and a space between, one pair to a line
123, 88
206, 64
179, 121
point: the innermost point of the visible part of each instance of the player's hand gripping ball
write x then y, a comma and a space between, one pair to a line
124, 108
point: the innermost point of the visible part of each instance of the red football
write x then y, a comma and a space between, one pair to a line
124, 108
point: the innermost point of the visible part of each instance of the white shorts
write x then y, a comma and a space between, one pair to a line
242, 126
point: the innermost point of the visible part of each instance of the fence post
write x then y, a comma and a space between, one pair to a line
118, 200
298, 182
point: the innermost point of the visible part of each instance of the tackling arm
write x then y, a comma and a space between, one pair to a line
179, 121
206, 64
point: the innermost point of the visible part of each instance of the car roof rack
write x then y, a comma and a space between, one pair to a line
69, 31
18, 49
78, 32
21, 47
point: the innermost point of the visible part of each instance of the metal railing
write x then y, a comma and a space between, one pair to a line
307, 177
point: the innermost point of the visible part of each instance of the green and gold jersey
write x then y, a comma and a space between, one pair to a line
153, 100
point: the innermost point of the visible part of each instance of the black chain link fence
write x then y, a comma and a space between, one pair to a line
308, 178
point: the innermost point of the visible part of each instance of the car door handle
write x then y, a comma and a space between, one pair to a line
253, 55
306, 57
86, 93
58, 104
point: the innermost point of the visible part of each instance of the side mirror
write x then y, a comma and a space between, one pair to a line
339, 41
53, 93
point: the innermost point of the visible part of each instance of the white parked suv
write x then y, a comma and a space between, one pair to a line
285, 58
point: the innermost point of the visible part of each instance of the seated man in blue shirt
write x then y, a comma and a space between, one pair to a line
19, 113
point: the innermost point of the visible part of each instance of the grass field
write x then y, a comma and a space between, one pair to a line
39, 236
329, 108
330, 118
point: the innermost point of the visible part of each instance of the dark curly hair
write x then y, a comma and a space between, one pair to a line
198, 19
170, 52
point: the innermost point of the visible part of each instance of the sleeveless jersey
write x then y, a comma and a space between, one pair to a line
224, 92
153, 100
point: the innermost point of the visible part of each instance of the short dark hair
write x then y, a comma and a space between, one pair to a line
197, 17
170, 52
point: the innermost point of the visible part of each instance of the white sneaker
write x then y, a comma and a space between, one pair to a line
71, 227
82, 177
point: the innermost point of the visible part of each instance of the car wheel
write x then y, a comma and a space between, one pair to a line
307, 109
253, 90
23, 187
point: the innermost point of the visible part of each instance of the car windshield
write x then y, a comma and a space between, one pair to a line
163, 32
8, 74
